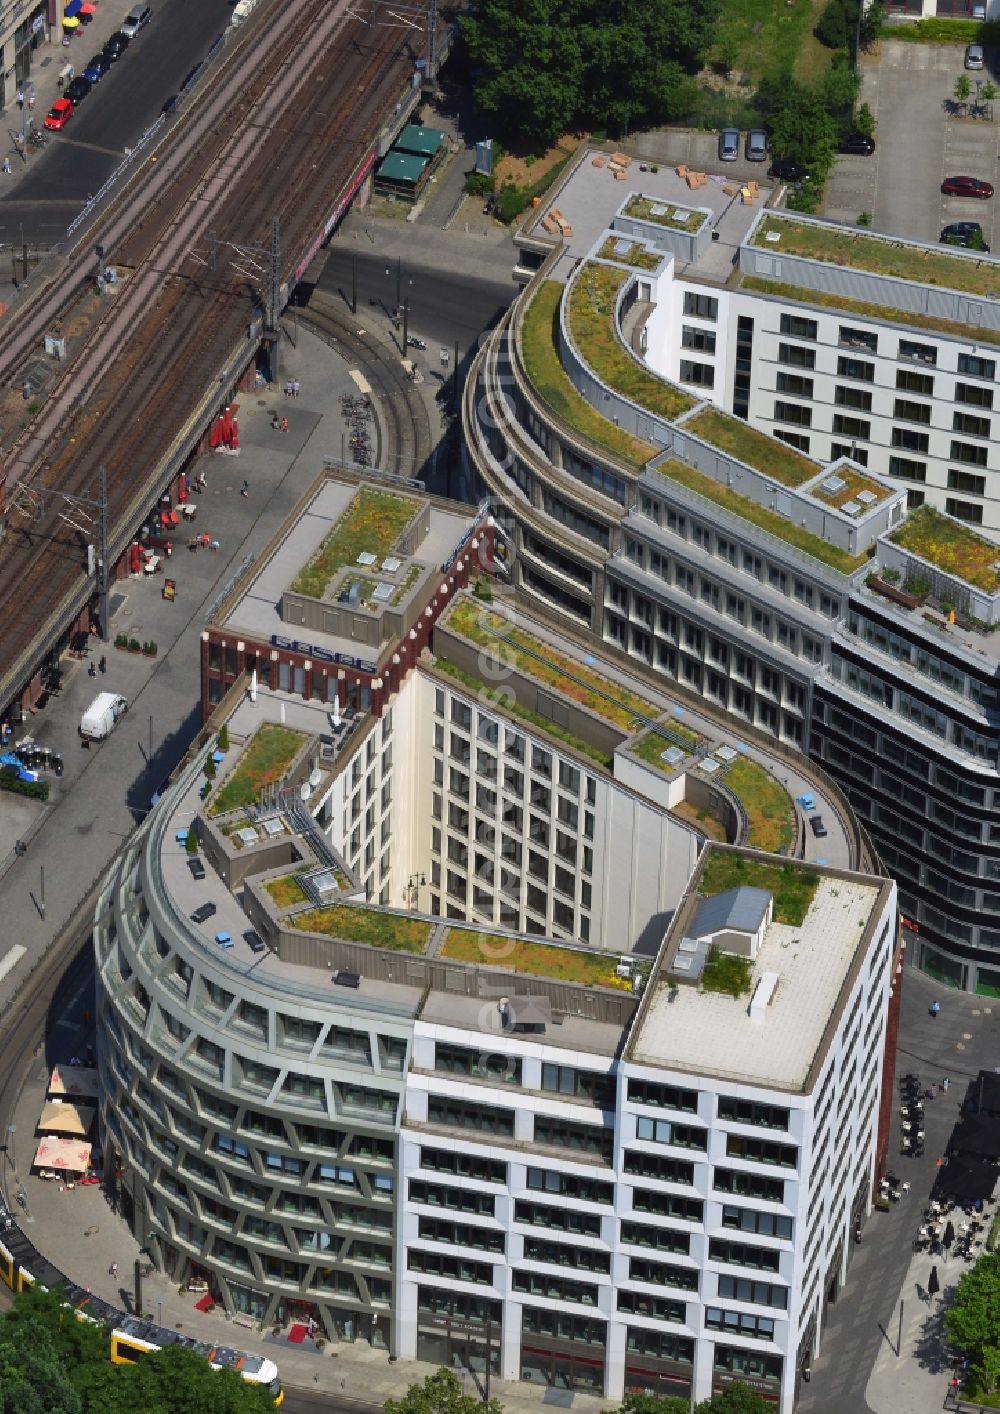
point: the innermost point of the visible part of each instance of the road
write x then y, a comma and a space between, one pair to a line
114, 115
446, 305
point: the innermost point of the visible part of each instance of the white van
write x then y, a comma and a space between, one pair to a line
101, 716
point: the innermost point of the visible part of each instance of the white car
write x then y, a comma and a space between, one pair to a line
137, 20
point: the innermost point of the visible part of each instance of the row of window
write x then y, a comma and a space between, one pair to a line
798, 326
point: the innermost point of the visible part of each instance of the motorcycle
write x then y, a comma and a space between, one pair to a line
412, 342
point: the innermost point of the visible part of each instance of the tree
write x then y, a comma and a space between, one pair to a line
962, 89
224, 737
173, 1381
987, 96
984, 1373
835, 27
739, 1398
440, 1393
191, 839
802, 126
652, 1404
973, 1319
32, 1379
864, 120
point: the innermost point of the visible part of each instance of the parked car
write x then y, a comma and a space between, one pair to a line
817, 826
138, 19
755, 147
59, 114
857, 145
975, 57
729, 145
76, 90
968, 234
97, 68
116, 46
196, 867
785, 170
966, 186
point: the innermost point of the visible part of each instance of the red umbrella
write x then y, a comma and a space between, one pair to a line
234, 434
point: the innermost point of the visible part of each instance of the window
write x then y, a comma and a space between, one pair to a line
566, 1080
660, 1308
907, 470
967, 482
923, 353
908, 380
701, 374
488, 1119
459, 1200
664, 1131
851, 426
565, 1134
655, 1166
560, 1325
909, 441
737, 1323
463, 1165
858, 398
561, 1254
570, 1185
798, 327
756, 1293
975, 367
964, 510
796, 413
559, 1219
968, 452
743, 1254
794, 439
555, 1288
972, 394
856, 368
909, 411
484, 1065
483, 1239
700, 306
750, 1220
761, 1151
702, 340
796, 356
748, 1185
662, 1274
660, 1239
752, 1112
847, 449
455, 1268
795, 384
859, 338
971, 425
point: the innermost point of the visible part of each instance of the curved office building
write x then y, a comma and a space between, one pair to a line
750, 452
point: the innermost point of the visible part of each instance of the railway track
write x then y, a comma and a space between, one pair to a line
281, 134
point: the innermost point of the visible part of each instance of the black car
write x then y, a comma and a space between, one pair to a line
97, 68
857, 145
787, 171
77, 91
817, 826
968, 234
196, 867
202, 914
116, 46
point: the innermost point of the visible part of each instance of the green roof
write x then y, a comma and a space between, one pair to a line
665, 213
372, 522
951, 546
767, 454
401, 167
425, 142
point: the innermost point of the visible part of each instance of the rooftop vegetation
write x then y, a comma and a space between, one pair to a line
373, 521
566, 964
701, 820
868, 309
633, 253
664, 213
726, 972
593, 327
588, 686
540, 351
286, 891
263, 762
541, 724
881, 255
854, 482
769, 808
778, 525
651, 746
366, 925
951, 546
757, 449
792, 886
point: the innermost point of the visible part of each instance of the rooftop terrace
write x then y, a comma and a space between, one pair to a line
880, 255
778, 525
951, 546
821, 919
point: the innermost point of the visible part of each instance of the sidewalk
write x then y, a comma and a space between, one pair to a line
915, 1380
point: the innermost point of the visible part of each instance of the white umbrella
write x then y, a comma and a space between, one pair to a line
336, 711
253, 686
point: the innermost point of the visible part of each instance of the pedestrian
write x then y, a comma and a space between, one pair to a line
102, 664
245, 489
31, 100
945, 1084
216, 545
20, 99
7, 167
113, 1270
295, 388
935, 1009
284, 424
287, 390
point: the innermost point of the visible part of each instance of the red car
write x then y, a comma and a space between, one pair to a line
966, 186
61, 112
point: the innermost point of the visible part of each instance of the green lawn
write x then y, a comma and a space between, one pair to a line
478, 688
775, 524
951, 546
592, 325
286, 891
869, 310
792, 885
879, 255
536, 959
592, 689
373, 521
263, 762
757, 449
764, 37
366, 925
727, 972
770, 812
540, 351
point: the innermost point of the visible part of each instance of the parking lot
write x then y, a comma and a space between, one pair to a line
908, 89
